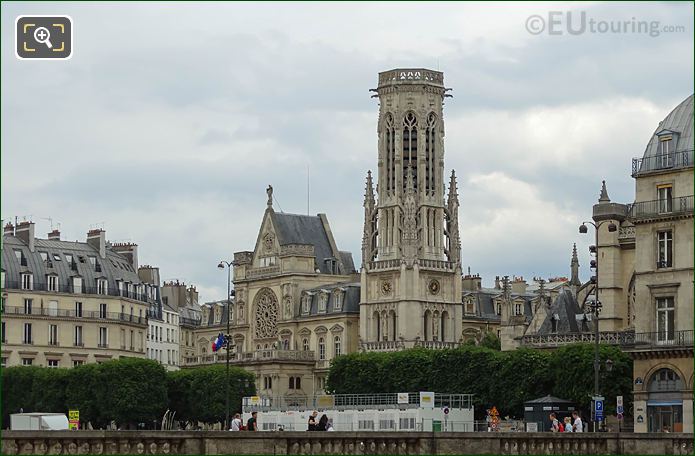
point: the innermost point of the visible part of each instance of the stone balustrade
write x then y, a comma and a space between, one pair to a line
416, 443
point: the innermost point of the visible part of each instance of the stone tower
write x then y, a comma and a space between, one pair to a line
411, 251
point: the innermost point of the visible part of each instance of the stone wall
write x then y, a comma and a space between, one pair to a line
220, 442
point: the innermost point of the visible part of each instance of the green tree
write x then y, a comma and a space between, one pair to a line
490, 340
202, 395
571, 370
17, 384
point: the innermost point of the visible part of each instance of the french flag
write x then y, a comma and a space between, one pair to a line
217, 343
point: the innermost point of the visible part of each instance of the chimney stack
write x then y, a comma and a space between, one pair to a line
54, 235
97, 239
9, 229
472, 282
25, 232
128, 250
519, 285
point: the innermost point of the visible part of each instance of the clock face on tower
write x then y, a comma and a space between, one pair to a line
434, 286
386, 287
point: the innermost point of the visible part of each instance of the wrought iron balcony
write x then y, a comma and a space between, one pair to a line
663, 208
84, 289
664, 339
35, 311
656, 163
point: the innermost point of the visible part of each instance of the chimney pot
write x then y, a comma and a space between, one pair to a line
54, 235
25, 232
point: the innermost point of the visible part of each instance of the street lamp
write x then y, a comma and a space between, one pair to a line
596, 305
227, 336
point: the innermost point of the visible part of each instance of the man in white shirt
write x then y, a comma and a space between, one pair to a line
578, 426
236, 423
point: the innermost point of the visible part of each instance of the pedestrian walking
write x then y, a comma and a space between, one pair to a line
252, 423
555, 427
578, 425
236, 424
568, 424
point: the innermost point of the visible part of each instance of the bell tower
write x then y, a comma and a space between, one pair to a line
411, 251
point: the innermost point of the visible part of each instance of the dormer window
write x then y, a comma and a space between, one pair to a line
77, 284
20, 257
331, 265
323, 300
338, 296
102, 286
498, 308
71, 261
518, 308
52, 283
27, 281
46, 259
470, 309
665, 144
306, 303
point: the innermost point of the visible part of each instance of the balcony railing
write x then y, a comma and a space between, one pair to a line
625, 339
664, 339
556, 340
65, 313
680, 205
655, 163
70, 288
396, 345
259, 355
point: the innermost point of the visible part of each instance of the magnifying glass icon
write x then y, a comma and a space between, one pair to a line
42, 35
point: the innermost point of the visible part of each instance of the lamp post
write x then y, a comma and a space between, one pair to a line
596, 305
227, 336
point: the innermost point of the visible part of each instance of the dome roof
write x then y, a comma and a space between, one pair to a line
680, 121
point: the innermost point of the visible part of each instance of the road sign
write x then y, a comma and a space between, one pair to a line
446, 410
620, 409
620, 415
598, 410
619, 401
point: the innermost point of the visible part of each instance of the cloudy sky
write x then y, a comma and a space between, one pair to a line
170, 120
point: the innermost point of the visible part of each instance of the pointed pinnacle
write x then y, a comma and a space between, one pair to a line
604, 194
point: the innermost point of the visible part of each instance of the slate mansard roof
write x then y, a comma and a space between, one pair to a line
680, 121
114, 267
310, 229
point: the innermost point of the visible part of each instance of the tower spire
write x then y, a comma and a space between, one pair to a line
369, 230
574, 267
453, 247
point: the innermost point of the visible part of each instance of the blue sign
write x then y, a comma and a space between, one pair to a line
620, 409
598, 410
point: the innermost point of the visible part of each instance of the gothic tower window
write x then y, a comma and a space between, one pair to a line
392, 314
430, 141
376, 320
390, 139
409, 148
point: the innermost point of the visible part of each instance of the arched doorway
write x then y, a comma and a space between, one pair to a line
665, 402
